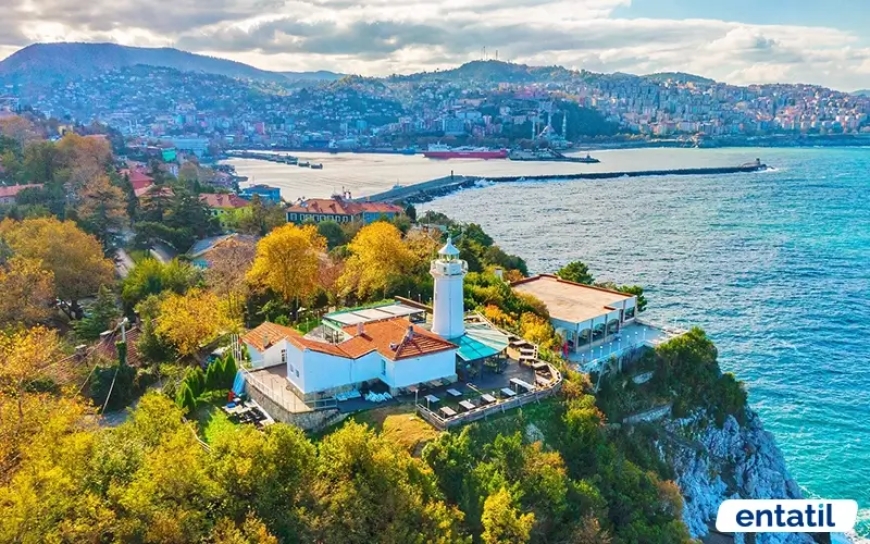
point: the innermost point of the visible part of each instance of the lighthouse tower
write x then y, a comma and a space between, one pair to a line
449, 271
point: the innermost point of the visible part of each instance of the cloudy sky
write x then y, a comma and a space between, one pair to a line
739, 41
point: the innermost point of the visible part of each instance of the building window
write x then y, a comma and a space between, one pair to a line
383, 368
297, 372
284, 356
293, 217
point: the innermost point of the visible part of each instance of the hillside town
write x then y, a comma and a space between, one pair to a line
483, 102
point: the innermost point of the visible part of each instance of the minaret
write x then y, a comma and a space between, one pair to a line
448, 320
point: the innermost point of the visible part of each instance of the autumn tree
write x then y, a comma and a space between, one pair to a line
85, 158
29, 357
102, 208
19, 129
228, 265
503, 523
26, 292
191, 320
360, 477
287, 263
72, 256
378, 259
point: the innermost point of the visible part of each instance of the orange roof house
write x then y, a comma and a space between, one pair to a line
393, 351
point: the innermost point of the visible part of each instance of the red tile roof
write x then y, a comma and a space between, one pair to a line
213, 200
383, 335
107, 348
12, 190
378, 336
338, 206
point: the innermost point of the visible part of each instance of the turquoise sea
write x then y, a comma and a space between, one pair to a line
773, 265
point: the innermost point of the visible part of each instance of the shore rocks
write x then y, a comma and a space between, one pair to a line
736, 461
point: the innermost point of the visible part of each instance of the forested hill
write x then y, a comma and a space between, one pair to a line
44, 63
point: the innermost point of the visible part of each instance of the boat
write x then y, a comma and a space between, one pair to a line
439, 151
303, 164
408, 151
547, 155
316, 166
289, 159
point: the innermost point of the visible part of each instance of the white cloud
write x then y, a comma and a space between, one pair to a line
379, 37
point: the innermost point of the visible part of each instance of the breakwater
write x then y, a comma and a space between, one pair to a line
428, 190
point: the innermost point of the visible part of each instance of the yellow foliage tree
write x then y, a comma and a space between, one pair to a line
74, 257
498, 317
538, 330
28, 356
378, 258
26, 291
191, 320
288, 262
503, 523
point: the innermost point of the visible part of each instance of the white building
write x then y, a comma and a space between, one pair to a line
583, 315
359, 347
393, 351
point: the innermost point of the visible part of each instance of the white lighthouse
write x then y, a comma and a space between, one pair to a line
448, 320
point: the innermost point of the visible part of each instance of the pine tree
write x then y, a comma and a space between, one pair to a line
230, 370
195, 379
100, 317
185, 399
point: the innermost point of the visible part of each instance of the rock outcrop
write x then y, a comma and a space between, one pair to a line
736, 461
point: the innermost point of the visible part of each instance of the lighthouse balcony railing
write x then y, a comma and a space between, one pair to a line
449, 267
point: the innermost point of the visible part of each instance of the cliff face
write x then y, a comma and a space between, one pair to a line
736, 461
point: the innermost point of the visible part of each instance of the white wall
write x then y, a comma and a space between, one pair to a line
407, 372
270, 357
320, 371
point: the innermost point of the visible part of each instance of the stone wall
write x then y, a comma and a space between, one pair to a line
308, 421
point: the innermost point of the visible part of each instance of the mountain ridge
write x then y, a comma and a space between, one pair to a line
45, 63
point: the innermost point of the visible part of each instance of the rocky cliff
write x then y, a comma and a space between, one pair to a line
736, 461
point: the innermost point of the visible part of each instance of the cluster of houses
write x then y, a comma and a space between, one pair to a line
341, 208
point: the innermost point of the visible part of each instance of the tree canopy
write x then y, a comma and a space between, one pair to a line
287, 262
74, 258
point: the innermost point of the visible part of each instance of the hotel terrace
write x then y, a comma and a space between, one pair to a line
594, 323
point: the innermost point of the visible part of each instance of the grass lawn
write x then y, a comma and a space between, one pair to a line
212, 421
401, 425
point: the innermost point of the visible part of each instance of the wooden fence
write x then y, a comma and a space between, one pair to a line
500, 406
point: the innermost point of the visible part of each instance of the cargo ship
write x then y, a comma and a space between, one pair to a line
547, 155
439, 151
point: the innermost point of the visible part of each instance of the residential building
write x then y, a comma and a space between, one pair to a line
221, 204
8, 193
340, 210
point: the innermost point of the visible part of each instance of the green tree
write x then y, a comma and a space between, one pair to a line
333, 234
185, 399
100, 317
577, 272
151, 277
